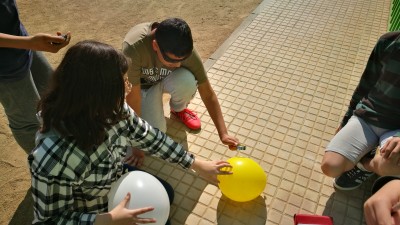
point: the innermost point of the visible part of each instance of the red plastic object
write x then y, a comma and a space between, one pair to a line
305, 219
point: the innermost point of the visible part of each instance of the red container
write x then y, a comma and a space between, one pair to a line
304, 219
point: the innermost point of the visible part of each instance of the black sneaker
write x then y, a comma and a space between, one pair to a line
351, 179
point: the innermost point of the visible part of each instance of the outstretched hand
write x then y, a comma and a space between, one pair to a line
49, 43
121, 215
210, 169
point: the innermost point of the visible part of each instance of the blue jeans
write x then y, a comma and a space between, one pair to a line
19, 99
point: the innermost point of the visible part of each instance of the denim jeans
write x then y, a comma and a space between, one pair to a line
182, 87
19, 99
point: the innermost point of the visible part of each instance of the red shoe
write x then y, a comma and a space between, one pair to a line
189, 118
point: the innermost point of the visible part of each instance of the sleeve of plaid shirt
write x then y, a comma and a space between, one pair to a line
143, 135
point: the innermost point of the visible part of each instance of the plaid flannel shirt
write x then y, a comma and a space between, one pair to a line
71, 187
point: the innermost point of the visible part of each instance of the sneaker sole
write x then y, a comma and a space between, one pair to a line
344, 188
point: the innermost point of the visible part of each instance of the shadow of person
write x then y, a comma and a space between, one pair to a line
24, 213
253, 212
346, 207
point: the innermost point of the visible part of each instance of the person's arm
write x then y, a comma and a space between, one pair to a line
134, 99
367, 81
378, 208
37, 42
210, 100
143, 135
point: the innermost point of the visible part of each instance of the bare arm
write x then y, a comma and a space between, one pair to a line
38, 42
134, 99
214, 109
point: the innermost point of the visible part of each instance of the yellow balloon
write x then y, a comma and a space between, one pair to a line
247, 181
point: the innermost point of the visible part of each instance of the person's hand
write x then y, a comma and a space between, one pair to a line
378, 208
380, 165
49, 43
231, 141
210, 169
391, 150
121, 215
128, 86
136, 159
338, 129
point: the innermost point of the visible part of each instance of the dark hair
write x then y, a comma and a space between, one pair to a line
173, 35
86, 94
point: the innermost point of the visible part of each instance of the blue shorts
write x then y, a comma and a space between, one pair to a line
357, 138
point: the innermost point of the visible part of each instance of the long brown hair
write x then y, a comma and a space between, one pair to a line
86, 94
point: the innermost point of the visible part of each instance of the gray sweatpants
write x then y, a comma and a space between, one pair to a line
20, 98
180, 84
357, 138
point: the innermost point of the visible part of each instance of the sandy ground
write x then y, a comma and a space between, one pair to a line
211, 21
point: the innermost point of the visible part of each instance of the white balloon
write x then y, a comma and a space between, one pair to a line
146, 191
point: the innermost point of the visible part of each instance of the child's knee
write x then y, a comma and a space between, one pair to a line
333, 165
186, 80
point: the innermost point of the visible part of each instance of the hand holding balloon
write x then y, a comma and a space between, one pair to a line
150, 198
121, 215
210, 169
247, 181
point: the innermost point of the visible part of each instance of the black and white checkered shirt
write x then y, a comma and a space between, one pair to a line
71, 187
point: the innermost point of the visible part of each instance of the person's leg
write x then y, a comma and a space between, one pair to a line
182, 86
152, 107
348, 146
41, 71
19, 100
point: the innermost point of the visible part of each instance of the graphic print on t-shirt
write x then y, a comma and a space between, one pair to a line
155, 74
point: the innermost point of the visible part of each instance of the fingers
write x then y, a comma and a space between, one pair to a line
125, 201
387, 149
395, 153
224, 168
137, 212
135, 161
60, 41
391, 150
142, 210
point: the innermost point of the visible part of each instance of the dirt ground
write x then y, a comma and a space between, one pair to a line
211, 21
